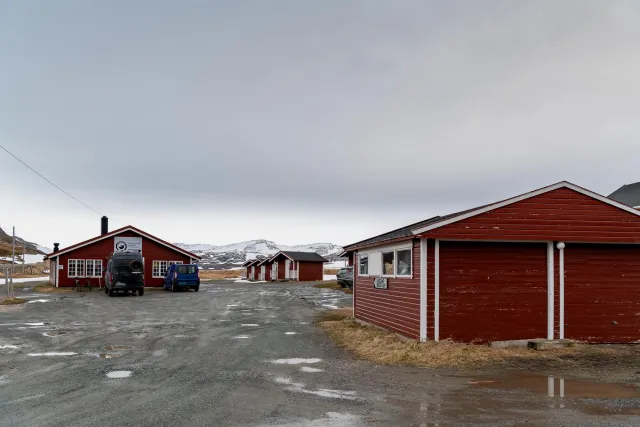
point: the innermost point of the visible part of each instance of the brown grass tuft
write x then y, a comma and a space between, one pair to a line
12, 301
221, 274
377, 345
329, 271
333, 285
49, 289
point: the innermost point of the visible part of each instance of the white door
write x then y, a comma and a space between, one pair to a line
274, 271
287, 269
253, 272
262, 272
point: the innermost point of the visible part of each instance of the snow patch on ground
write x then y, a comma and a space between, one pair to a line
291, 333
332, 307
243, 337
53, 353
249, 324
249, 281
7, 346
310, 369
38, 300
329, 277
119, 374
27, 279
296, 361
35, 324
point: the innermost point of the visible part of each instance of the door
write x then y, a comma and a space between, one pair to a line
601, 293
287, 269
274, 271
493, 291
262, 272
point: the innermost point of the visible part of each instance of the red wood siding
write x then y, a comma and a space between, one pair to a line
602, 293
281, 268
311, 271
151, 251
492, 291
396, 308
561, 214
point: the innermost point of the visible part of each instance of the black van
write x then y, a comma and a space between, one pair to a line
124, 273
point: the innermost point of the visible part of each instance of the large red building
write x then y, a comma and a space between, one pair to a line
559, 262
87, 260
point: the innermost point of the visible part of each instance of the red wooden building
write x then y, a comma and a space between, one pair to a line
263, 268
301, 266
87, 260
559, 262
250, 265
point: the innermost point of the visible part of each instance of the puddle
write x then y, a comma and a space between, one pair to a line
109, 355
54, 353
322, 392
118, 347
35, 324
296, 361
38, 300
119, 374
243, 337
291, 333
53, 333
311, 370
250, 324
557, 387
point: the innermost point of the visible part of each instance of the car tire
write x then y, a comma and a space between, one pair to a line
140, 291
342, 285
197, 288
106, 290
174, 287
110, 292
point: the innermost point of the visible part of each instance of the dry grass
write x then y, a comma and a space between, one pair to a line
220, 274
12, 301
329, 271
333, 285
377, 345
48, 289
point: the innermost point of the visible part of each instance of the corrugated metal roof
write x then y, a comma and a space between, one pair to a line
304, 256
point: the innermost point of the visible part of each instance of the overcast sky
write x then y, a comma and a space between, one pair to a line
306, 121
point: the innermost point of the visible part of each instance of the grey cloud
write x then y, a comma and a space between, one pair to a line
361, 105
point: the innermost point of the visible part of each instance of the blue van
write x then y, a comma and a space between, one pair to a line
182, 277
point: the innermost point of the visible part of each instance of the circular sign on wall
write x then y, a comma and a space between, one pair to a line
121, 246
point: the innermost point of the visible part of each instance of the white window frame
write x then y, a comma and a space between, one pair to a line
395, 258
366, 255
156, 272
393, 267
76, 263
93, 263
374, 252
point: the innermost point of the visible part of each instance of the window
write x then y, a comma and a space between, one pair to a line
403, 266
364, 264
388, 263
159, 269
94, 268
75, 268
190, 269
175, 262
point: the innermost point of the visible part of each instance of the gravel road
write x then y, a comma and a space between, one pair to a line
236, 355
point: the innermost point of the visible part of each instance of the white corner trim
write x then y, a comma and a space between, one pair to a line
527, 196
57, 271
356, 264
423, 290
436, 291
550, 295
561, 247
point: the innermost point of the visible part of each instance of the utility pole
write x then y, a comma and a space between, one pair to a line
13, 249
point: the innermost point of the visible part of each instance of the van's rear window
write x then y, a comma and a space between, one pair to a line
186, 269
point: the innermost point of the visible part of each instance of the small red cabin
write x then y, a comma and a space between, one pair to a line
301, 266
264, 269
87, 260
558, 262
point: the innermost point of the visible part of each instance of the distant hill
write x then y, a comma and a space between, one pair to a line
229, 256
5, 247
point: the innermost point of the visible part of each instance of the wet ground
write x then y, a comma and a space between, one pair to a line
238, 354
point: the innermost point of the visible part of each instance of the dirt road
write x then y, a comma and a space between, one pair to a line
246, 355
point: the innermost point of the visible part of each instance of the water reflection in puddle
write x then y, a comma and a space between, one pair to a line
557, 387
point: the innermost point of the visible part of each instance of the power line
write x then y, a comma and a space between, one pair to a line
43, 177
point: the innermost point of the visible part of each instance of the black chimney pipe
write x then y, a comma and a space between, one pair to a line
105, 226
56, 247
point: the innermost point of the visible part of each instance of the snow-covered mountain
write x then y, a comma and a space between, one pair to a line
228, 256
